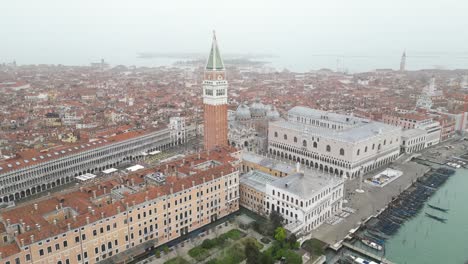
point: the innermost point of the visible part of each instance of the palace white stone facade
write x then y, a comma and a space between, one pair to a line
305, 199
341, 144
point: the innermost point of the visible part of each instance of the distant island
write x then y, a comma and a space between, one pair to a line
195, 55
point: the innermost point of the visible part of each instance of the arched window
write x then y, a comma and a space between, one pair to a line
385, 142
304, 143
285, 137
295, 139
365, 149
315, 144
358, 152
276, 134
328, 148
373, 146
378, 148
342, 152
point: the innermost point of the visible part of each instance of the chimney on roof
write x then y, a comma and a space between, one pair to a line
22, 242
56, 207
126, 204
102, 214
193, 183
87, 220
38, 226
32, 238
35, 206
118, 209
68, 226
183, 187
1, 255
99, 186
94, 194
16, 233
199, 156
133, 181
55, 222
133, 203
61, 205
192, 164
28, 228
8, 222
93, 212
203, 179
105, 190
90, 208
74, 218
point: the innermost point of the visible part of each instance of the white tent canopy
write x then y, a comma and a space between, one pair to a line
111, 170
135, 168
86, 177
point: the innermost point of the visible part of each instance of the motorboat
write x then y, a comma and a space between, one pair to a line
372, 244
361, 260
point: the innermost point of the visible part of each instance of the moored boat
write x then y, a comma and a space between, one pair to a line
371, 244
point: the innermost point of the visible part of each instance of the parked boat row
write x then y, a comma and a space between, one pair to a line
406, 206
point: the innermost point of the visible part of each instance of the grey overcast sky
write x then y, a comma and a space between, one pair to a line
304, 34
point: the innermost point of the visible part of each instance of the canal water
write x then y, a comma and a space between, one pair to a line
423, 240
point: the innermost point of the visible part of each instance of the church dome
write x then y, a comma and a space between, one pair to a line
273, 114
258, 109
243, 112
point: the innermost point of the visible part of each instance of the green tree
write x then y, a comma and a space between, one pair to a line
292, 241
280, 234
251, 252
276, 220
165, 248
266, 259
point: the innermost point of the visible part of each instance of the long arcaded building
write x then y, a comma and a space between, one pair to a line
131, 213
35, 171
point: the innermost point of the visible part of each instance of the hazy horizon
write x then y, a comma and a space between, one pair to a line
305, 35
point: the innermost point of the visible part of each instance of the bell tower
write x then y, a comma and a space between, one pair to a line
215, 99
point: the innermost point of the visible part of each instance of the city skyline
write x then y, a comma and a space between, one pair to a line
331, 133
304, 35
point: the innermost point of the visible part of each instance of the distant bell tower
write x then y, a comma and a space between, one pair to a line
403, 62
215, 99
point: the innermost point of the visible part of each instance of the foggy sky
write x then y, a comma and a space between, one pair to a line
79, 32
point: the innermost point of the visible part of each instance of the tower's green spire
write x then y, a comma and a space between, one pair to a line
214, 60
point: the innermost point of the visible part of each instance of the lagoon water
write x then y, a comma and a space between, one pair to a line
423, 240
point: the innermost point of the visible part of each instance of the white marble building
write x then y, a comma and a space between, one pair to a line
341, 144
305, 199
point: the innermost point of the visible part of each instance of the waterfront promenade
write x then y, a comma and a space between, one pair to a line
374, 199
